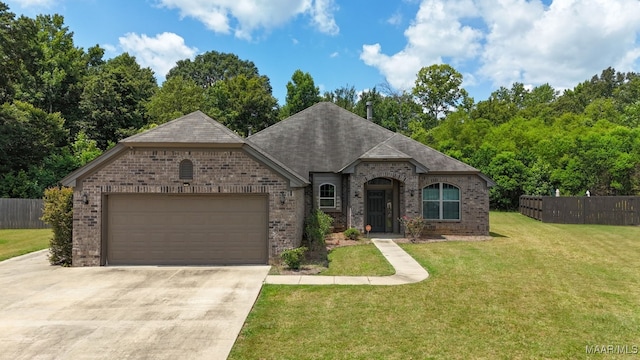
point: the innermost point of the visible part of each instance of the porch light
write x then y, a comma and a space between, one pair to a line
357, 193
85, 199
282, 197
411, 192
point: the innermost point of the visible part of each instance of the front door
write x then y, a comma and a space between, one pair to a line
376, 210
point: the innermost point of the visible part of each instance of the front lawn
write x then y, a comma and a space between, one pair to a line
22, 241
535, 291
358, 260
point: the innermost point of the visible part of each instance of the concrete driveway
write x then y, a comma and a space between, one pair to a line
49, 312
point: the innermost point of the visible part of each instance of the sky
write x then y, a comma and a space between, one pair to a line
367, 43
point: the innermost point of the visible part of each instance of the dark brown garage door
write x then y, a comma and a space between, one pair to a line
186, 230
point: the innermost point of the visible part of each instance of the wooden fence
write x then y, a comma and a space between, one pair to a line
605, 210
21, 214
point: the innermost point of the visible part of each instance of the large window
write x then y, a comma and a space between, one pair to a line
441, 202
327, 196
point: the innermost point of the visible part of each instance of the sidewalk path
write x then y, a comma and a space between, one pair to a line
408, 271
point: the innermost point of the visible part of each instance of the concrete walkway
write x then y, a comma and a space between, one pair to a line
408, 271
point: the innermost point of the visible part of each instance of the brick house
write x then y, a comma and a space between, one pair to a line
193, 192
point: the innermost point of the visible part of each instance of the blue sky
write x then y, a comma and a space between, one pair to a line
365, 43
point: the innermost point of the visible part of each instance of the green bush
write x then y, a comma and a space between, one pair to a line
58, 212
293, 257
317, 226
352, 233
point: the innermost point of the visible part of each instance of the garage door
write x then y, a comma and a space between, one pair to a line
146, 229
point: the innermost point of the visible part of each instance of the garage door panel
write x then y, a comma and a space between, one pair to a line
186, 230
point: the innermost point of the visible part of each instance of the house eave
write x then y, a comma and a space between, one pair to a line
295, 180
71, 180
184, 145
489, 181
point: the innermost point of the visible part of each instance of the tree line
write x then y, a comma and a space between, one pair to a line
63, 106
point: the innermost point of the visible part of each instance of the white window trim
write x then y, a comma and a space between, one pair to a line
441, 202
320, 197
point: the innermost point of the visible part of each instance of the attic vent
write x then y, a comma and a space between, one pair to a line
186, 170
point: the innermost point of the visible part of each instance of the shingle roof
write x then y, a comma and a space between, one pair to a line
194, 128
383, 151
327, 138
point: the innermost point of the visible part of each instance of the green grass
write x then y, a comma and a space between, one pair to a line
358, 260
22, 241
535, 291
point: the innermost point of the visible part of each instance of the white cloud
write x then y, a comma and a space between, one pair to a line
160, 53
322, 14
244, 17
110, 48
563, 43
334, 54
395, 19
35, 3
435, 33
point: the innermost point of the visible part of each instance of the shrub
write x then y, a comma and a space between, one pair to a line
413, 226
317, 226
293, 257
58, 212
352, 233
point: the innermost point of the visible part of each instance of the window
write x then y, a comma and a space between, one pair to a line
186, 170
327, 196
379, 181
441, 202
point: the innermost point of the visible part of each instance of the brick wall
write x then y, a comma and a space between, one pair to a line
156, 171
474, 212
404, 172
474, 205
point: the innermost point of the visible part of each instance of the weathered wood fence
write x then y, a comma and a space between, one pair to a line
605, 210
21, 214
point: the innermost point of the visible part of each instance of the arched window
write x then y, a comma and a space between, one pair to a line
327, 196
441, 201
186, 170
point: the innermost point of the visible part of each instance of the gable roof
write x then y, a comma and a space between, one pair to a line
328, 138
195, 130
383, 151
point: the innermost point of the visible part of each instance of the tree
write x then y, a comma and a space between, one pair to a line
27, 136
232, 92
346, 97
438, 89
9, 59
243, 104
510, 174
209, 68
392, 110
49, 67
177, 96
301, 94
114, 99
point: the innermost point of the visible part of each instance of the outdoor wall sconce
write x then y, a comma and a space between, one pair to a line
282, 197
411, 192
357, 194
85, 199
